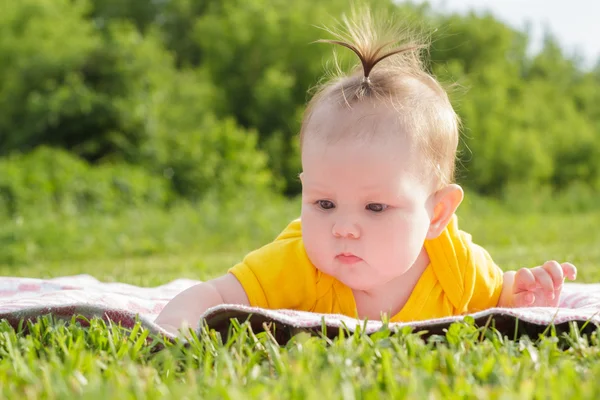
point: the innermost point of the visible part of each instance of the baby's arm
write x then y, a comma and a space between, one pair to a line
535, 287
185, 309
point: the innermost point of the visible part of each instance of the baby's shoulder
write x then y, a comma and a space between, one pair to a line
292, 231
288, 247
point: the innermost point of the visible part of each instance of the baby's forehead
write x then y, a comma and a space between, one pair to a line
322, 157
326, 158
365, 120
358, 171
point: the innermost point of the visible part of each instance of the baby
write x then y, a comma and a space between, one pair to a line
378, 232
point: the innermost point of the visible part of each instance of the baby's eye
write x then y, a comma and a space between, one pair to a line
325, 204
376, 207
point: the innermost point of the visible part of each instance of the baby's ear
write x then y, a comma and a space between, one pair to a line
445, 201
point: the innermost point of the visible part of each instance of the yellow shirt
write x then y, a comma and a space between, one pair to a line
460, 278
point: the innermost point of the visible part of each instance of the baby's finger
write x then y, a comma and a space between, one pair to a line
543, 279
569, 270
524, 280
523, 299
555, 271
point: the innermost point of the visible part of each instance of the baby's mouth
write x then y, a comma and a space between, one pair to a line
348, 258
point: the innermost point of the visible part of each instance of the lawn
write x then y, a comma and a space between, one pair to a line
151, 247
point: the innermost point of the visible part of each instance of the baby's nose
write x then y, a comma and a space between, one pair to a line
346, 229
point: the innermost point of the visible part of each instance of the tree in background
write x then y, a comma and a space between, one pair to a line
107, 93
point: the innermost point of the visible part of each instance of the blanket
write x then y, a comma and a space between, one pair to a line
25, 299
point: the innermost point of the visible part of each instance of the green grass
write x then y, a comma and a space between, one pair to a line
51, 359
58, 360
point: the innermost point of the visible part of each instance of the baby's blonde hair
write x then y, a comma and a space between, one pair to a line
395, 76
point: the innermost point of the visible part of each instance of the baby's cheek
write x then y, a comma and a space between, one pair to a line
401, 249
313, 230
314, 245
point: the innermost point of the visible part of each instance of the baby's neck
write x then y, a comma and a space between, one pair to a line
391, 297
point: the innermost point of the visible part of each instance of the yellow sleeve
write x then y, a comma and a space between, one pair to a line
468, 276
279, 275
488, 279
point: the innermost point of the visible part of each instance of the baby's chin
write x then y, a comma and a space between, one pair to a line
353, 281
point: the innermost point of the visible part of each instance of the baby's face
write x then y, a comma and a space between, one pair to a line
366, 209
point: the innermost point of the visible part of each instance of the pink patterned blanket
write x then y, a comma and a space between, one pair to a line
65, 297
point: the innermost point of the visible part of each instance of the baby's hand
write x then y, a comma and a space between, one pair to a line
541, 286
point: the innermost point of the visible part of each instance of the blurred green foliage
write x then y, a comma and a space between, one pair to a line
106, 103
54, 181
